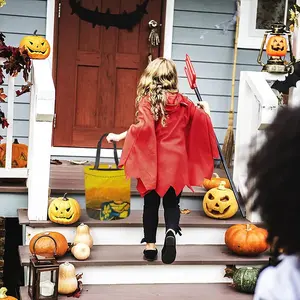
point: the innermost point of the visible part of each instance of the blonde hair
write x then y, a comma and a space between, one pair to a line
159, 77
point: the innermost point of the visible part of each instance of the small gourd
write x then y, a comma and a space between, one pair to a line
67, 280
83, 235
81, 251
244, 279
3, 295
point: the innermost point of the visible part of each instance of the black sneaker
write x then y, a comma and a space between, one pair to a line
150, 254
169, 250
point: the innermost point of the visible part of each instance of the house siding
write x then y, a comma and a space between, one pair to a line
19, 18
212, 55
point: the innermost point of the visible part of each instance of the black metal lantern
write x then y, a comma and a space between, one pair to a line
276, 49
43, 277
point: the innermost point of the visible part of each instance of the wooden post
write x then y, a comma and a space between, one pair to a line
40, 139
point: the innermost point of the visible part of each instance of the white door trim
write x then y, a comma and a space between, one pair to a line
168, 37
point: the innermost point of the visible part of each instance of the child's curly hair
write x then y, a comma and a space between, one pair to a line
272, 170
159, 77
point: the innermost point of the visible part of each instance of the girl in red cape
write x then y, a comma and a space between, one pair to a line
172, 145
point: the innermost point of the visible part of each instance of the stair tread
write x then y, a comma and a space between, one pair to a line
112, 255
216, 291
194, 219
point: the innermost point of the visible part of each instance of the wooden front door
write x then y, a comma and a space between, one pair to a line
97, 72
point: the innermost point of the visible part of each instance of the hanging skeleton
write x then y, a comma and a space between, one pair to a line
153, 39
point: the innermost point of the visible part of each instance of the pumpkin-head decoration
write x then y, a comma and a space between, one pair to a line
19, 155
215, 182
220, 203
246, 239
37, 46
276, 46
3, 295
64, 210
49, 244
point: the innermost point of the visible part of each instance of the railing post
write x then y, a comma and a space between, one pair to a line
41, 122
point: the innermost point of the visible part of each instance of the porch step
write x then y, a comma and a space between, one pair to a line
156, 291
125, 265
197, 229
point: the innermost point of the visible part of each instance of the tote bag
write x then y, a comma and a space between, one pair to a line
107, 190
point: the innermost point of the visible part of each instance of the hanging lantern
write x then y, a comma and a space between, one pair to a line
279, 40
43, 276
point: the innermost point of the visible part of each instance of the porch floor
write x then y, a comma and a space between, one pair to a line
69, 178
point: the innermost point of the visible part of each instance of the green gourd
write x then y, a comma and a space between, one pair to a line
244, 279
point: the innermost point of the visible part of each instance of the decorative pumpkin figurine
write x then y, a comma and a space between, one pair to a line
220, 203
19, 155
67, 280
244, 279
3, 295
64, 210
37, 46
215, 182
276, 46
83, 235
47, 244
246, 239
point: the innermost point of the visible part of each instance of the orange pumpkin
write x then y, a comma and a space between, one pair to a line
276, 46
45, 245
246, 239
3, 295
214, 182
19, 155
37, 46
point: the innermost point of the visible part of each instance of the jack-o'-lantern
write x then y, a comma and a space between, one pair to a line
37, 46
276, 46
64, 210
19, 155
220, 203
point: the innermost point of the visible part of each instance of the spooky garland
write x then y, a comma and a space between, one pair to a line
16, 60
121, 21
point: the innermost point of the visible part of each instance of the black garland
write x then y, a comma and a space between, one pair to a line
121, 21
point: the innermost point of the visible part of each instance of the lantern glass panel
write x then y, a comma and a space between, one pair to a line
47, 283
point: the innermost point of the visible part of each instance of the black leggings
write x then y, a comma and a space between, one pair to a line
150, 215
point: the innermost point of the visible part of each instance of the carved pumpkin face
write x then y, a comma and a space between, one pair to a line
64, 210
276, 46
37, 46
19, 155
220, 203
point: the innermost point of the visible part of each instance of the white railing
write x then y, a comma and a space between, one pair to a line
8, 171
40, 138
40, 135
257, 107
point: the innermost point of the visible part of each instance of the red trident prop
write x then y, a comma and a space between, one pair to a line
191, 76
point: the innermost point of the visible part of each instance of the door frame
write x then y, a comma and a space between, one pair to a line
51, 36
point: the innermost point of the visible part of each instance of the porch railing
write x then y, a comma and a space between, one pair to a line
257, 107
40, 135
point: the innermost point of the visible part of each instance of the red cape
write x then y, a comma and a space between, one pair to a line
178, 155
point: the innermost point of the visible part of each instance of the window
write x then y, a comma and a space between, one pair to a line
257, 16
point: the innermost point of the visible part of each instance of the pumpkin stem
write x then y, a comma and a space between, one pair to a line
3, 292
16, 141
222, 186
248, 227
65, 197
230, 270
35, 32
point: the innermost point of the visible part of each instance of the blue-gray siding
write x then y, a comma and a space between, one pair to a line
19, 18
212, 55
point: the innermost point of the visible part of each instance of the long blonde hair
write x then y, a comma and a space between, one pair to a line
159, 77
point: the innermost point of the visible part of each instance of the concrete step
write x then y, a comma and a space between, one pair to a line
156, 291
197, 229
125, 264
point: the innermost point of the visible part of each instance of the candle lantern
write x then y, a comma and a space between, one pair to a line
43, 277
279, 40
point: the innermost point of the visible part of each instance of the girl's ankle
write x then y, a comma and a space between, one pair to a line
150, 246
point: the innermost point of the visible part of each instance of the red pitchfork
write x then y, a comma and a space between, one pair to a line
191, 76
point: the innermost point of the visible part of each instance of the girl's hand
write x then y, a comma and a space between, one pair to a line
204, 105
112, 137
